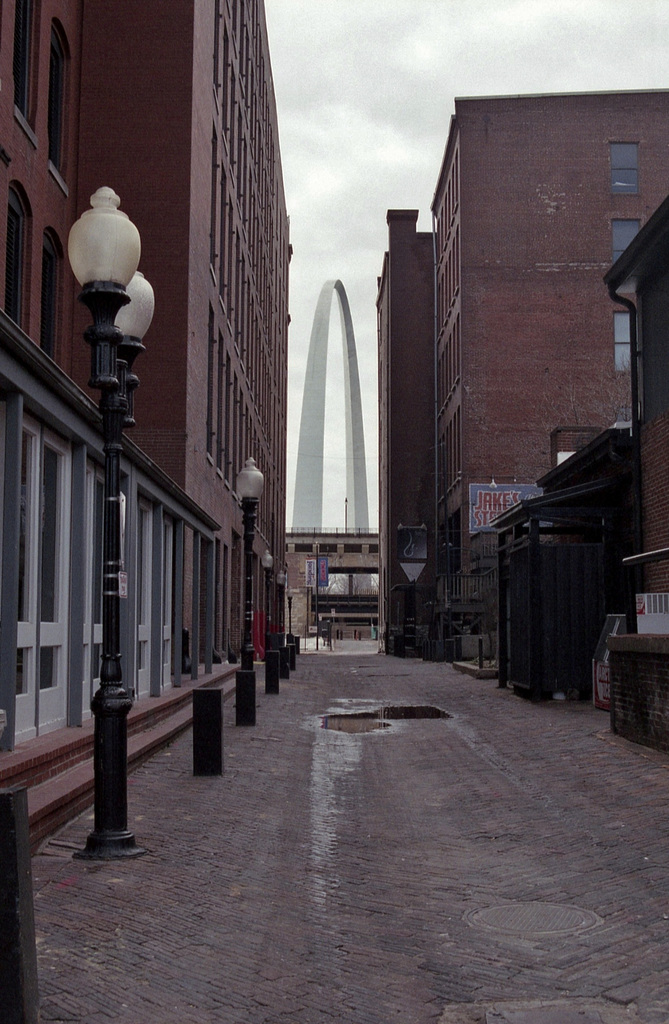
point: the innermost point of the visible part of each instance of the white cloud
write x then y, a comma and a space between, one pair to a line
365, 92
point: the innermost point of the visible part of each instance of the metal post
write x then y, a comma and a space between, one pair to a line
245, 682
268, 610
110, 837
249, 507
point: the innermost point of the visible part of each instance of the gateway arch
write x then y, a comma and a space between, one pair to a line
308, 504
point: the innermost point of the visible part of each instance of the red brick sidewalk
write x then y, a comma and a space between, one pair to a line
507, 864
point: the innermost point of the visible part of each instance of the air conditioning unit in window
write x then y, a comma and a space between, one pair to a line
652, 613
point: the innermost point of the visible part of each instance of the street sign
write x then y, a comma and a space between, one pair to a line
412, 570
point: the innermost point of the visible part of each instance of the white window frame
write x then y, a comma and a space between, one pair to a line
143, 596
168, 547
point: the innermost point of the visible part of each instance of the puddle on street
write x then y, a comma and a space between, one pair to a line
381, 718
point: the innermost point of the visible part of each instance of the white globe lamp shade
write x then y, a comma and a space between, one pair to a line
104, 244
250, 480
267, 561
135, 319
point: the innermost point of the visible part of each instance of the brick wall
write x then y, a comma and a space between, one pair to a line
639, 667
570, 439
535, 209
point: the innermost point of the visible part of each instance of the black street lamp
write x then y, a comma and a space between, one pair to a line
249, 488
281, 587
104, 249
267, 564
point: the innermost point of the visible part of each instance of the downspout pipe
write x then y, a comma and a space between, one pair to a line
636, 445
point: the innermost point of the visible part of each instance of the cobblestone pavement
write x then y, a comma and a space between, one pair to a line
508, 864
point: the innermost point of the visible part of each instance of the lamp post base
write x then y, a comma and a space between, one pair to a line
109, 846
245, 697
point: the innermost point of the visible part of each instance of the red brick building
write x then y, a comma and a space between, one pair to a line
405, 314
173, 107
197, 163
639, 673
535, 197
640, 279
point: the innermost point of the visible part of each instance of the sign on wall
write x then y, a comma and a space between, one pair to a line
412, 543
412, 550
316, 571
489, 500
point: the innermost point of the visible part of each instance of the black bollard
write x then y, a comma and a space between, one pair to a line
208, 731
18, 959
272, 659
245, 697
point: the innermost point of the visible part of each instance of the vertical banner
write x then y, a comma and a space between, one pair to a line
310, 572
323, 571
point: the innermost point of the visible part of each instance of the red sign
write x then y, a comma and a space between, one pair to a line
601, 685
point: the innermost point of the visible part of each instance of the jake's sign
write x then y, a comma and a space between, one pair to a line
489, 500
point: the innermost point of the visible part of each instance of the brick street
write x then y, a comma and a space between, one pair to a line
508, 864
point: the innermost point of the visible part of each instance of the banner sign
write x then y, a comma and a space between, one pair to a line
412, 543
489, 500
316, 571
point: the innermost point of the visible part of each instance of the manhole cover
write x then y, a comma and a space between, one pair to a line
528, 919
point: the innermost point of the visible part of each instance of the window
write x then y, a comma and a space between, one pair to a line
14, 258
43, 590
624, 167
22, 23
217, 30
220, 406
49, 292
622, 233
56, 97
621, 340
211, 362
143, 598
212, 200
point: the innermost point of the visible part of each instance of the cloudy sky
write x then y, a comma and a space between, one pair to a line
365, 90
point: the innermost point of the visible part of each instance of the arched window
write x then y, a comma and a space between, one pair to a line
22, 26
49, 297
14, 257
56, 99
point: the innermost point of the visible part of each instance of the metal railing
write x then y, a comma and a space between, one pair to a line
337, 531
467, 588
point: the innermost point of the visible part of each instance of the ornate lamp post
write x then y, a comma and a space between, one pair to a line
281, 587
267, 564
249, 488
284, 653
104, 249
271, 656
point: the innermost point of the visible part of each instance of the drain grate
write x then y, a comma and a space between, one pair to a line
534, 919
